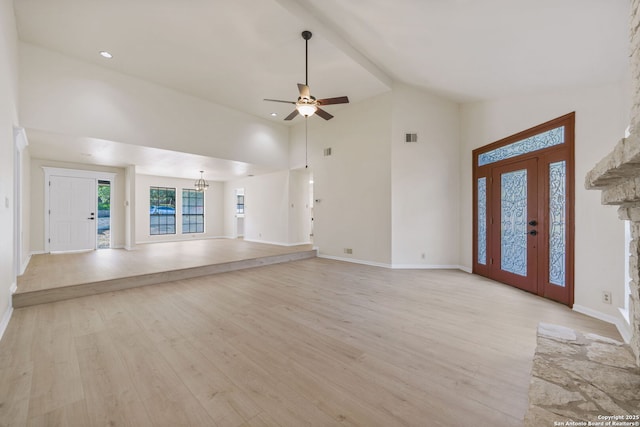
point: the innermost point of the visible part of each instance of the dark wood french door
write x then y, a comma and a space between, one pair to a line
514, 232
523, 210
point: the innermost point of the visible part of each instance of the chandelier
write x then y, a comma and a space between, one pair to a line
201, 184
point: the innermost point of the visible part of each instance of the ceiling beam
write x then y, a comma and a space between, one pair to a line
332, 32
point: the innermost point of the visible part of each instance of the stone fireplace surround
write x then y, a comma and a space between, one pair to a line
584, 379
618, 176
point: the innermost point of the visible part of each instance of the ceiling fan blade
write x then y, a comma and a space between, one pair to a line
304, 91
278, 100
323, 114
337, 100
292, 115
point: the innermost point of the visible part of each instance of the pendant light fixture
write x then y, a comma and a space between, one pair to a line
201, 184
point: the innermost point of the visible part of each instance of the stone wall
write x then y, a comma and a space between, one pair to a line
618, 176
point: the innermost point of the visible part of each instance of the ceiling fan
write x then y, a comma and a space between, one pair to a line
307, 105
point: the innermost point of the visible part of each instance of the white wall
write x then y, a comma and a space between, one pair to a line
37, 189
66, 96
130, 207
601, 118
266, 206
354, 183
213, 209
300, 206
425, 179
8, 119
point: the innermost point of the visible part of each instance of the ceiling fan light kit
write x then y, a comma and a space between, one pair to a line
306, 109
308, 105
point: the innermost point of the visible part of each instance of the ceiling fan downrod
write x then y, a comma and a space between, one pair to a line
306, 35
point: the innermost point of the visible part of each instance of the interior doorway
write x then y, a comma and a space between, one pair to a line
523, 210
239, 200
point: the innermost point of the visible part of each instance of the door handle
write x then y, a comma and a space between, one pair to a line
533, 223
533, 232
93, 216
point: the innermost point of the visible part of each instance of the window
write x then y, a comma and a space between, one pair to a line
104, 214
240, 204
192, 211
162, 210
627, 274
536, 142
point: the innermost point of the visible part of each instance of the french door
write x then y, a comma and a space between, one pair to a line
523, 210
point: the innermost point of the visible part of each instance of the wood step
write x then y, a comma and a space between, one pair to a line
25, 299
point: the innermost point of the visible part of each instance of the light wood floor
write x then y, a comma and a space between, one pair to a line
48, 271
313, 342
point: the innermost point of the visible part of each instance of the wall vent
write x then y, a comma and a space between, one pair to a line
410, 137
327, 151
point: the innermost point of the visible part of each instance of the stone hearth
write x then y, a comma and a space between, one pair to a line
582, 380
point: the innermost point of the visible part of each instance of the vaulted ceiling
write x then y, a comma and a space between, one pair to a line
235, 53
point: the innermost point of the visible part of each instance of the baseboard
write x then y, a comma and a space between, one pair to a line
5, 320
465, 269
398, 266
355, 261
425, 267
620, 324
36, 253
24, 265
13, 288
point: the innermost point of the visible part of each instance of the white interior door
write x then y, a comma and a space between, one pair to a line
72, 214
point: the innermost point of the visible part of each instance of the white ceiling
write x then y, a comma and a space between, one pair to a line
236, 53
148, 160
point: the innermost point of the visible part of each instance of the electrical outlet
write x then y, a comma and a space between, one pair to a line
606, 297
348, 250
423, 256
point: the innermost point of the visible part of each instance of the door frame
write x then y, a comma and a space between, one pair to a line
70, 173
546, 156
20, 144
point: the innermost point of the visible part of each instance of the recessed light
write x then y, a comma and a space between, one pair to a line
274, 114
105, 54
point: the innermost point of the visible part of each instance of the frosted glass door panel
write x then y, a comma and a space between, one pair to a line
482, 221
557, 222
513, 222
534, 143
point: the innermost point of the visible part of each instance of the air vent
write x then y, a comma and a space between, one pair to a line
327, 151
410, 137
